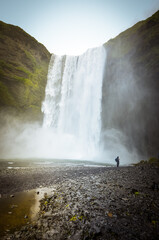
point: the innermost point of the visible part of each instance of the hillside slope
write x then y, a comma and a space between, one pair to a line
23, 70
131, 86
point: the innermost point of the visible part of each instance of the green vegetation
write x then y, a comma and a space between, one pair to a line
31, 58
6, 98
23, 70
74, 218
136, 193
151, 161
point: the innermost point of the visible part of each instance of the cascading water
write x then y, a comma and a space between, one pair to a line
72, 113
72, 105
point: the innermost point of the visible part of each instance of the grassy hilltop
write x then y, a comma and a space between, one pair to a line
23, 70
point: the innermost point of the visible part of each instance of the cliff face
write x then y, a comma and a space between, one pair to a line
23, 71
131, 86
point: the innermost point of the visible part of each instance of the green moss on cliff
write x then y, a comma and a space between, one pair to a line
23, 70
6, 98
31, 58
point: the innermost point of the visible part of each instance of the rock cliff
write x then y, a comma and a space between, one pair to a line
131, 86
23, 71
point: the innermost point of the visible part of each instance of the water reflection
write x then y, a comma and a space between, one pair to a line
20, 209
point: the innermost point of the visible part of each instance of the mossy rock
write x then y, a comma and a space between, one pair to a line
153, 160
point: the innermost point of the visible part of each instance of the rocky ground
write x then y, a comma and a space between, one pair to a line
99, 203
25, 178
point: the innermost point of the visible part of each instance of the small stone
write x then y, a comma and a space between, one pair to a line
48, 214
52, 232
125, 199
110, 214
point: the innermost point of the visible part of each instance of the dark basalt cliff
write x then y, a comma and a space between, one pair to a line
131, 85
23, 71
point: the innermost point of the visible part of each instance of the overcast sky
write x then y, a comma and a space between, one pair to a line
73, 26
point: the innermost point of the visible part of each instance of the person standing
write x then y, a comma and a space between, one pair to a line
117, 161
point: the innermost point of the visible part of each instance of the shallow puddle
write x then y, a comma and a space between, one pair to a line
20, 209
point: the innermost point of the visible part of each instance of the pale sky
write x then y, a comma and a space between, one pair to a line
72, 26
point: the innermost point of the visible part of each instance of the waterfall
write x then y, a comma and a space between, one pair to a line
72, 105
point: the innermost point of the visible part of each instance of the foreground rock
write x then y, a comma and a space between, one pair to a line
115, 204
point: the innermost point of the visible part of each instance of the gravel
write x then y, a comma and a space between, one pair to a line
93, 203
